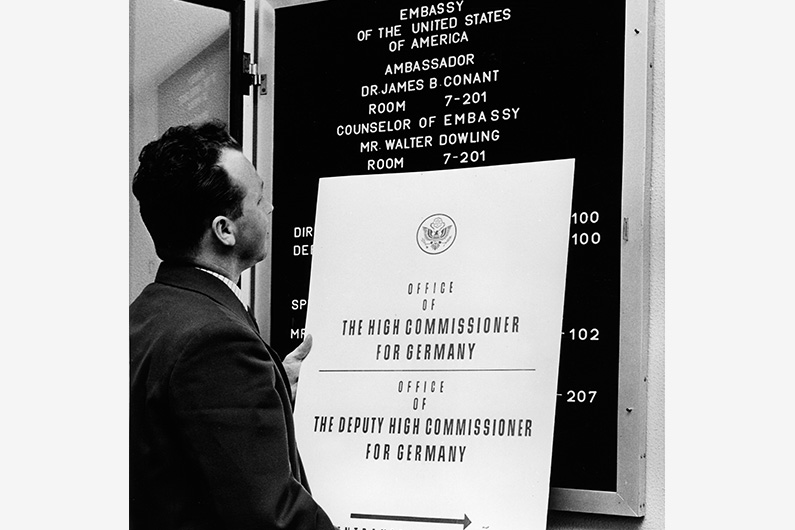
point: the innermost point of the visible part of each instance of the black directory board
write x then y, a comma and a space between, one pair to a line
385, 86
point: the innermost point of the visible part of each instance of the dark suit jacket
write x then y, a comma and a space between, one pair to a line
212, 443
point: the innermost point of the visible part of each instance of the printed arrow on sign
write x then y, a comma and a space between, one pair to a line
407, 518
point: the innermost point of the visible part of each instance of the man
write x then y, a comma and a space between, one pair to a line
212, 443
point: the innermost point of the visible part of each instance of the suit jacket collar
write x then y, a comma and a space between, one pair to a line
187, 276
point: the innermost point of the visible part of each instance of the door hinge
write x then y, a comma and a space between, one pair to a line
252, 77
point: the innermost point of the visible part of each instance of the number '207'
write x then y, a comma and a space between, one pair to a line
580, 396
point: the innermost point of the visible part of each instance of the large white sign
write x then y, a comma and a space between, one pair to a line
435, 305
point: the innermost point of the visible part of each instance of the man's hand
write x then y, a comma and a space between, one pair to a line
292, 363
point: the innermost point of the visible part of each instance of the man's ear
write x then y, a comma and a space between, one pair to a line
224, 230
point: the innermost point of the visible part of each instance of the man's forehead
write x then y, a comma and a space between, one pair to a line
238, 166
233, 158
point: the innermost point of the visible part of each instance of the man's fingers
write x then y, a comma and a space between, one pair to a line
303, 349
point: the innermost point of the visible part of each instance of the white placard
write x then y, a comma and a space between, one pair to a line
435, 305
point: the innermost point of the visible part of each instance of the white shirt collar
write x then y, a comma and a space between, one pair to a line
232, 285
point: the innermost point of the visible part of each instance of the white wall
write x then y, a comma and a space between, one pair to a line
164, 35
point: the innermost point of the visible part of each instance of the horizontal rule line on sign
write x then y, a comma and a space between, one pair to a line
436, 370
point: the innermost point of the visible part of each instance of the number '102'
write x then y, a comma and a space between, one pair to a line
584, 334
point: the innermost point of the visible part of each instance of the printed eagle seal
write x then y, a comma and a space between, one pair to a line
436, 233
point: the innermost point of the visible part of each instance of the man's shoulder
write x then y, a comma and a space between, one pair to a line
169, 323
181, 311
158, 294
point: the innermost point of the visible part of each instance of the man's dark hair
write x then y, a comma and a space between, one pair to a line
180, 186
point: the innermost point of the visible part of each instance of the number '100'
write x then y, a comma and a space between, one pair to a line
585, 238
